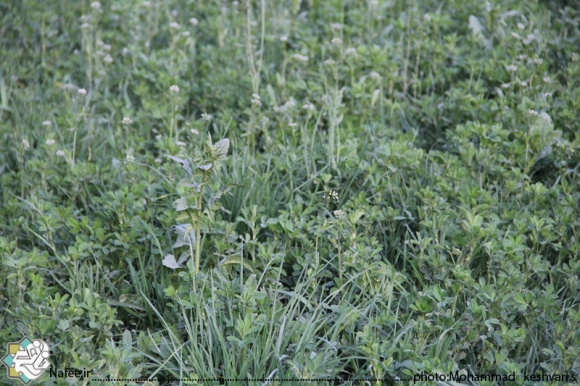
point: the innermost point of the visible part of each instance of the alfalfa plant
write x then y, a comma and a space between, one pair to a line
200, 193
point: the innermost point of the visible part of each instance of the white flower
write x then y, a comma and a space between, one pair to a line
336, 26
292, 124
256, 100
125, 51
95, 5
375, 75
523, 83
158, 137
300, 57
180, 144
157, 160
194, 131
308, 106
522, 57
174, 25
516, 35
82, 91
531, 37
336, 41
283, 38
350, 51
575, 57
193, 21
14, 78
75, 52
100, 53
533, 112
46, 123
84, 26
538, 60
427, 17
60, 153
127, 121
506, 85
50, 142
332, 196
185, 33
339, 214
108, 59
511, 67
206, 117
174, 88
25, 144
107, 47
546, 79
85, 18
130, 158
521, 26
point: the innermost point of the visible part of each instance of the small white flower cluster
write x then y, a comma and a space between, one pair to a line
533, 113
336, 42
516, 35
180, 143
506, 85
206, 117
575, 57
292, 124
339, 214
521, 26
375, 75
336, 26
130, 158
174, 25
108, 59
50, 142
127, 121
194, 131
193, 21
60, 153
546, 79
96, 5
106, 47
331, 196
523, 83
289, 105
25, 144
46, 123
522, 57
308, 106
82, 91
158, 137
185, 34
427, 17
300, 57
350, 51
284, 38
256, 100
174, 89
511, 67
530, 38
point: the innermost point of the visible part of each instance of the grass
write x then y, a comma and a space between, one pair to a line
301, 191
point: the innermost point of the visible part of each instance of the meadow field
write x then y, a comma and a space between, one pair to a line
291, 192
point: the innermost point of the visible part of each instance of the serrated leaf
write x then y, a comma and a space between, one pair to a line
222, 146
216, 196
169, 262
180, 204
184, 163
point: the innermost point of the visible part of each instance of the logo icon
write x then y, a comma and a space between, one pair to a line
26, 360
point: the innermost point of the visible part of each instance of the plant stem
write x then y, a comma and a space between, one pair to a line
198, 231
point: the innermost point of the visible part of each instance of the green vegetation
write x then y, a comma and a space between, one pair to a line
338, 189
